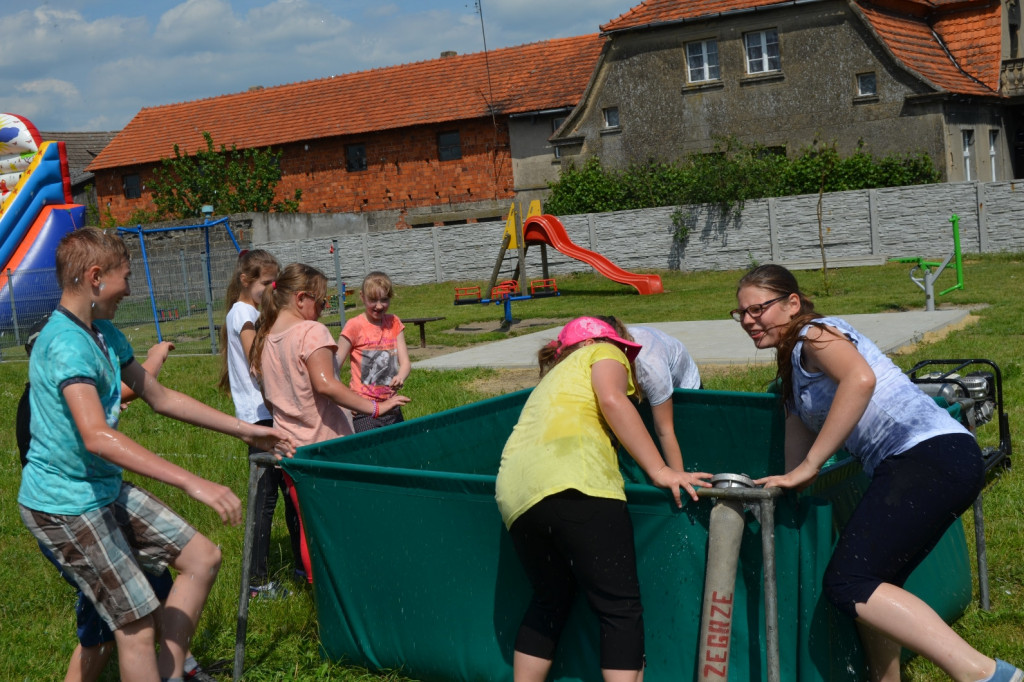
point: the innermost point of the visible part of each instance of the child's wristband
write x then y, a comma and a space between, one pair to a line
376, 409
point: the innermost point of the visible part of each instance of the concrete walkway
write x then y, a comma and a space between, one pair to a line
711, 342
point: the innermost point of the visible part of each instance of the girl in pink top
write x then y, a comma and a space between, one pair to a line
380, 359
295, 359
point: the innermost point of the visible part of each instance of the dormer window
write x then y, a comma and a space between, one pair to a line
867, 85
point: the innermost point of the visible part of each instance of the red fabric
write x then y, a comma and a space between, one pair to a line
303, 548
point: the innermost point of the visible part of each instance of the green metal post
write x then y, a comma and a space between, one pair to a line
955, 219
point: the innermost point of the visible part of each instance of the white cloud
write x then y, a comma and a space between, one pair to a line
49, 86
197, 25
111, 58
49, 36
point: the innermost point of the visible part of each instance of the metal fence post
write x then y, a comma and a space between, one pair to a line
338, 283
184, 282
14, 308
208, 289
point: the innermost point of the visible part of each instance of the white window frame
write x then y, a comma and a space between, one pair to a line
702, 63
967, 137
556, 123
861, 92
607, 113
762, 51
993, 151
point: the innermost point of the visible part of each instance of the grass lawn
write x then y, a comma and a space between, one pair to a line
37, 607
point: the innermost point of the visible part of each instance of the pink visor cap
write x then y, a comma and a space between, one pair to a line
583, 328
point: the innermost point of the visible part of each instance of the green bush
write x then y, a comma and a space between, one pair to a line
730, 175
230, 179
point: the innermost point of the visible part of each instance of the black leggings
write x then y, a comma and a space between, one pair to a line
270, 482
571, 539
913, 498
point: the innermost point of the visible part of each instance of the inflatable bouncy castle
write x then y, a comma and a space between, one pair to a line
36, 210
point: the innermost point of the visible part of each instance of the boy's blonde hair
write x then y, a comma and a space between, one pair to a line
84, 248
378, 282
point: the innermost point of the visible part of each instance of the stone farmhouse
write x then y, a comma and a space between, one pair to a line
444, 141
82, 148
943, 77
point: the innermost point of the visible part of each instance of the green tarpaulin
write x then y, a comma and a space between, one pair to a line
413, 569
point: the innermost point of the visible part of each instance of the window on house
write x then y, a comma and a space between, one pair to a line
771, 151
132, 186
993, 144
611, 117
968, 141
449, 146
355, 157
556, 123
867, 84
762, 51
702, 61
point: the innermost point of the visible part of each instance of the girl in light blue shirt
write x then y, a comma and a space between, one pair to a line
926, 469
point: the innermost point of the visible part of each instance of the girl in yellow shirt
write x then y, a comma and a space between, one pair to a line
563, 500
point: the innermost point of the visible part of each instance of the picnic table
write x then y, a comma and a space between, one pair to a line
421, 322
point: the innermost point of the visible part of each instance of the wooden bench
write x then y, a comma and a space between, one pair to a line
421, 322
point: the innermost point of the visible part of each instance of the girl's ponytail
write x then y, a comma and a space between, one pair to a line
294, 278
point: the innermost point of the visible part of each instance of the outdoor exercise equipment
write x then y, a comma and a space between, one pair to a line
929, 275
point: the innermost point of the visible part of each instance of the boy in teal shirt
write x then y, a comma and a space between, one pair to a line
102, 530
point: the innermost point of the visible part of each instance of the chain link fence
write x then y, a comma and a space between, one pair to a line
178, 298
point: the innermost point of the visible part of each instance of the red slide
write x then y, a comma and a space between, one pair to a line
547, 229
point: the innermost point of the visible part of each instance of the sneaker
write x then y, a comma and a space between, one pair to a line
270, 591
197, 674
1006, 672
299, 576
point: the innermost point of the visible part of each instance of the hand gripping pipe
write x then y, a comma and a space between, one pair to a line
733, 493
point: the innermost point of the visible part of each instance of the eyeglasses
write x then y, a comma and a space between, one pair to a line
322, 302
755, 310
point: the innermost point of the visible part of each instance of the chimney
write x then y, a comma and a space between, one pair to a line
448, 53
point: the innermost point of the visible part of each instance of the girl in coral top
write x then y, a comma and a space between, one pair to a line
375, 340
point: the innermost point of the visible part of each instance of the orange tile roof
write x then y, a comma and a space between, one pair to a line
659, 11
968, 29
534, 77
971, 37
974, 37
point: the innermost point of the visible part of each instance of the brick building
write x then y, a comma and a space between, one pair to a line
443, 141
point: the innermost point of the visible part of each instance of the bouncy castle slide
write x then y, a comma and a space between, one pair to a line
547, 229
36, 210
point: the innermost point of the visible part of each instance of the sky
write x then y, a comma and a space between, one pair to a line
91, 65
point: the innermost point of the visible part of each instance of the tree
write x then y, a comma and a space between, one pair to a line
232, 180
